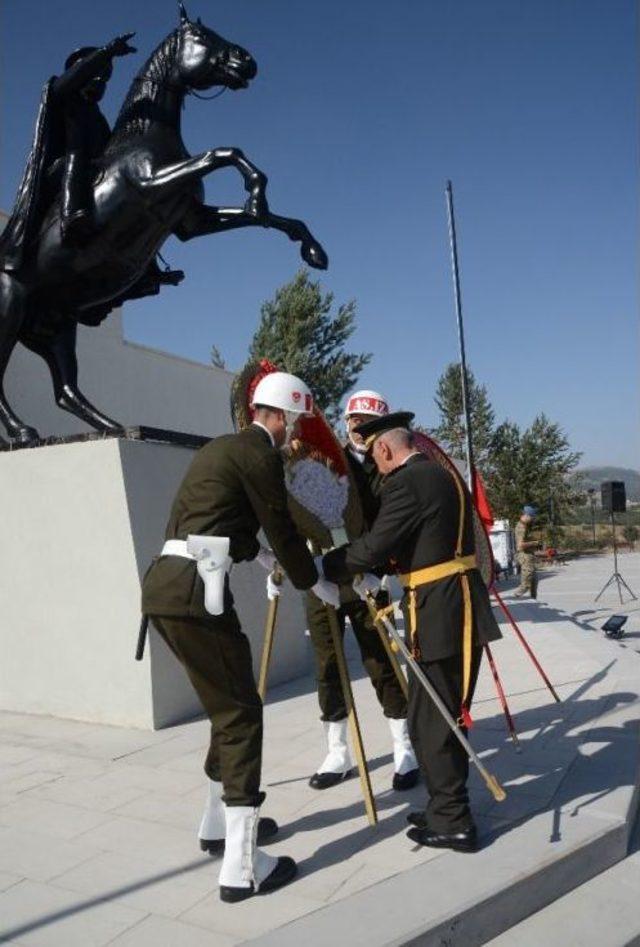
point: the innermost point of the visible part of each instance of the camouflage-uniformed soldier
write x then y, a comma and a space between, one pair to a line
425, 525
234, 486
524, 552
361, 406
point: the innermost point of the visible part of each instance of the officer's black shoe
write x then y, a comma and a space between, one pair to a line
417, 818
402, 781
327, 780
267, 828
282, 874
464, 841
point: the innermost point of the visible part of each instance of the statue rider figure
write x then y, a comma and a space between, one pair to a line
70, 138
76, 94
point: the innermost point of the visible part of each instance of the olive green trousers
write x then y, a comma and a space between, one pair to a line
528, 574
374, 659
217, 658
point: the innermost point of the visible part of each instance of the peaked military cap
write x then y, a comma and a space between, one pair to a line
371, 430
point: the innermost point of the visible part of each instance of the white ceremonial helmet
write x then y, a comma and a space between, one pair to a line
365, 402
284, 391
287, 392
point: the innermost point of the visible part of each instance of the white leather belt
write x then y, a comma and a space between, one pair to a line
176, 547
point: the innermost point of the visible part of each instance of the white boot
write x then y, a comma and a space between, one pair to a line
245, 868
337, 763
405, 765
212, 826
211, 833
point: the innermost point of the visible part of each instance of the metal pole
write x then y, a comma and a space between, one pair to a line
463, 359
615, 548
525, 644
466, 409
352, 716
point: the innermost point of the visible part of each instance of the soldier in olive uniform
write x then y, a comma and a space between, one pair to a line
524, 552
234, 486
425, 525
361, 406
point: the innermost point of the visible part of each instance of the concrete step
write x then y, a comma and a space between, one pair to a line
604, 912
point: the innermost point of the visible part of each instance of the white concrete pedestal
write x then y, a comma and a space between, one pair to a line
80, 524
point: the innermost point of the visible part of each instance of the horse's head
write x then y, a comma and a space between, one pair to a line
205, 59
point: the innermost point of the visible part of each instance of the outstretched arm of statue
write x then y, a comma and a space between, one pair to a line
90, 66
77, 76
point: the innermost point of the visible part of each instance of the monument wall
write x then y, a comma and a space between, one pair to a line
81, 522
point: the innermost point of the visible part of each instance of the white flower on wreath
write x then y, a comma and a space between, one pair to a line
319, 490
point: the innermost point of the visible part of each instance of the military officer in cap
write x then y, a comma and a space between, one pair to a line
234, 486
425, 526
362, 406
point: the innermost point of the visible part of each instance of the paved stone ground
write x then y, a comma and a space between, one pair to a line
97, 824
602, 911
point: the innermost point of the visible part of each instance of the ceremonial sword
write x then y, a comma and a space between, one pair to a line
491, 782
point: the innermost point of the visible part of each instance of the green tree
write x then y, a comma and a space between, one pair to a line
630, 533
504, 486
534, 466
298, 332
450, 432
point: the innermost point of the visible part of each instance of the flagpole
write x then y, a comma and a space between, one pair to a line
466, 410
470, 461
463, 358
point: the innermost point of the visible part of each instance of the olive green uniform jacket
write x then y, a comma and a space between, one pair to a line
359, 516
234, 486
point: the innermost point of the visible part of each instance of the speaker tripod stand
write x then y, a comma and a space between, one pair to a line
616, 576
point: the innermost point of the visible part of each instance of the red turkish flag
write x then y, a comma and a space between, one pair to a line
481, 501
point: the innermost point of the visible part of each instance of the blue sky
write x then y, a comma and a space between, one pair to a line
359, 113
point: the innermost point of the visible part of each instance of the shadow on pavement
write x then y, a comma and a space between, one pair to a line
558, 778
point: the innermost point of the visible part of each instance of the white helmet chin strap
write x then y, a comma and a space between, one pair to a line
290, 418
360, 448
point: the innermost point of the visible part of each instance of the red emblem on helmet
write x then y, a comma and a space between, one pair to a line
296, 396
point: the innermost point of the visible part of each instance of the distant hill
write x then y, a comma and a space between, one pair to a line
594, 476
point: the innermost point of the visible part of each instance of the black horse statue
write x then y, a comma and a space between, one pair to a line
145, 186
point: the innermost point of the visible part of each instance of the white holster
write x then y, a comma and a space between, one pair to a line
211, 554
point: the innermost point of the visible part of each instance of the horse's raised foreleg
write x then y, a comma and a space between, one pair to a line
176, 175
311, 251
59, 352
203, 219
13, 311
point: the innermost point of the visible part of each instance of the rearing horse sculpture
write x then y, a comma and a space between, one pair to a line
146, 188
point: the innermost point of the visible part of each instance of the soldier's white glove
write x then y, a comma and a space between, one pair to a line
367, 583
327, 592
273, 587
266, 559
